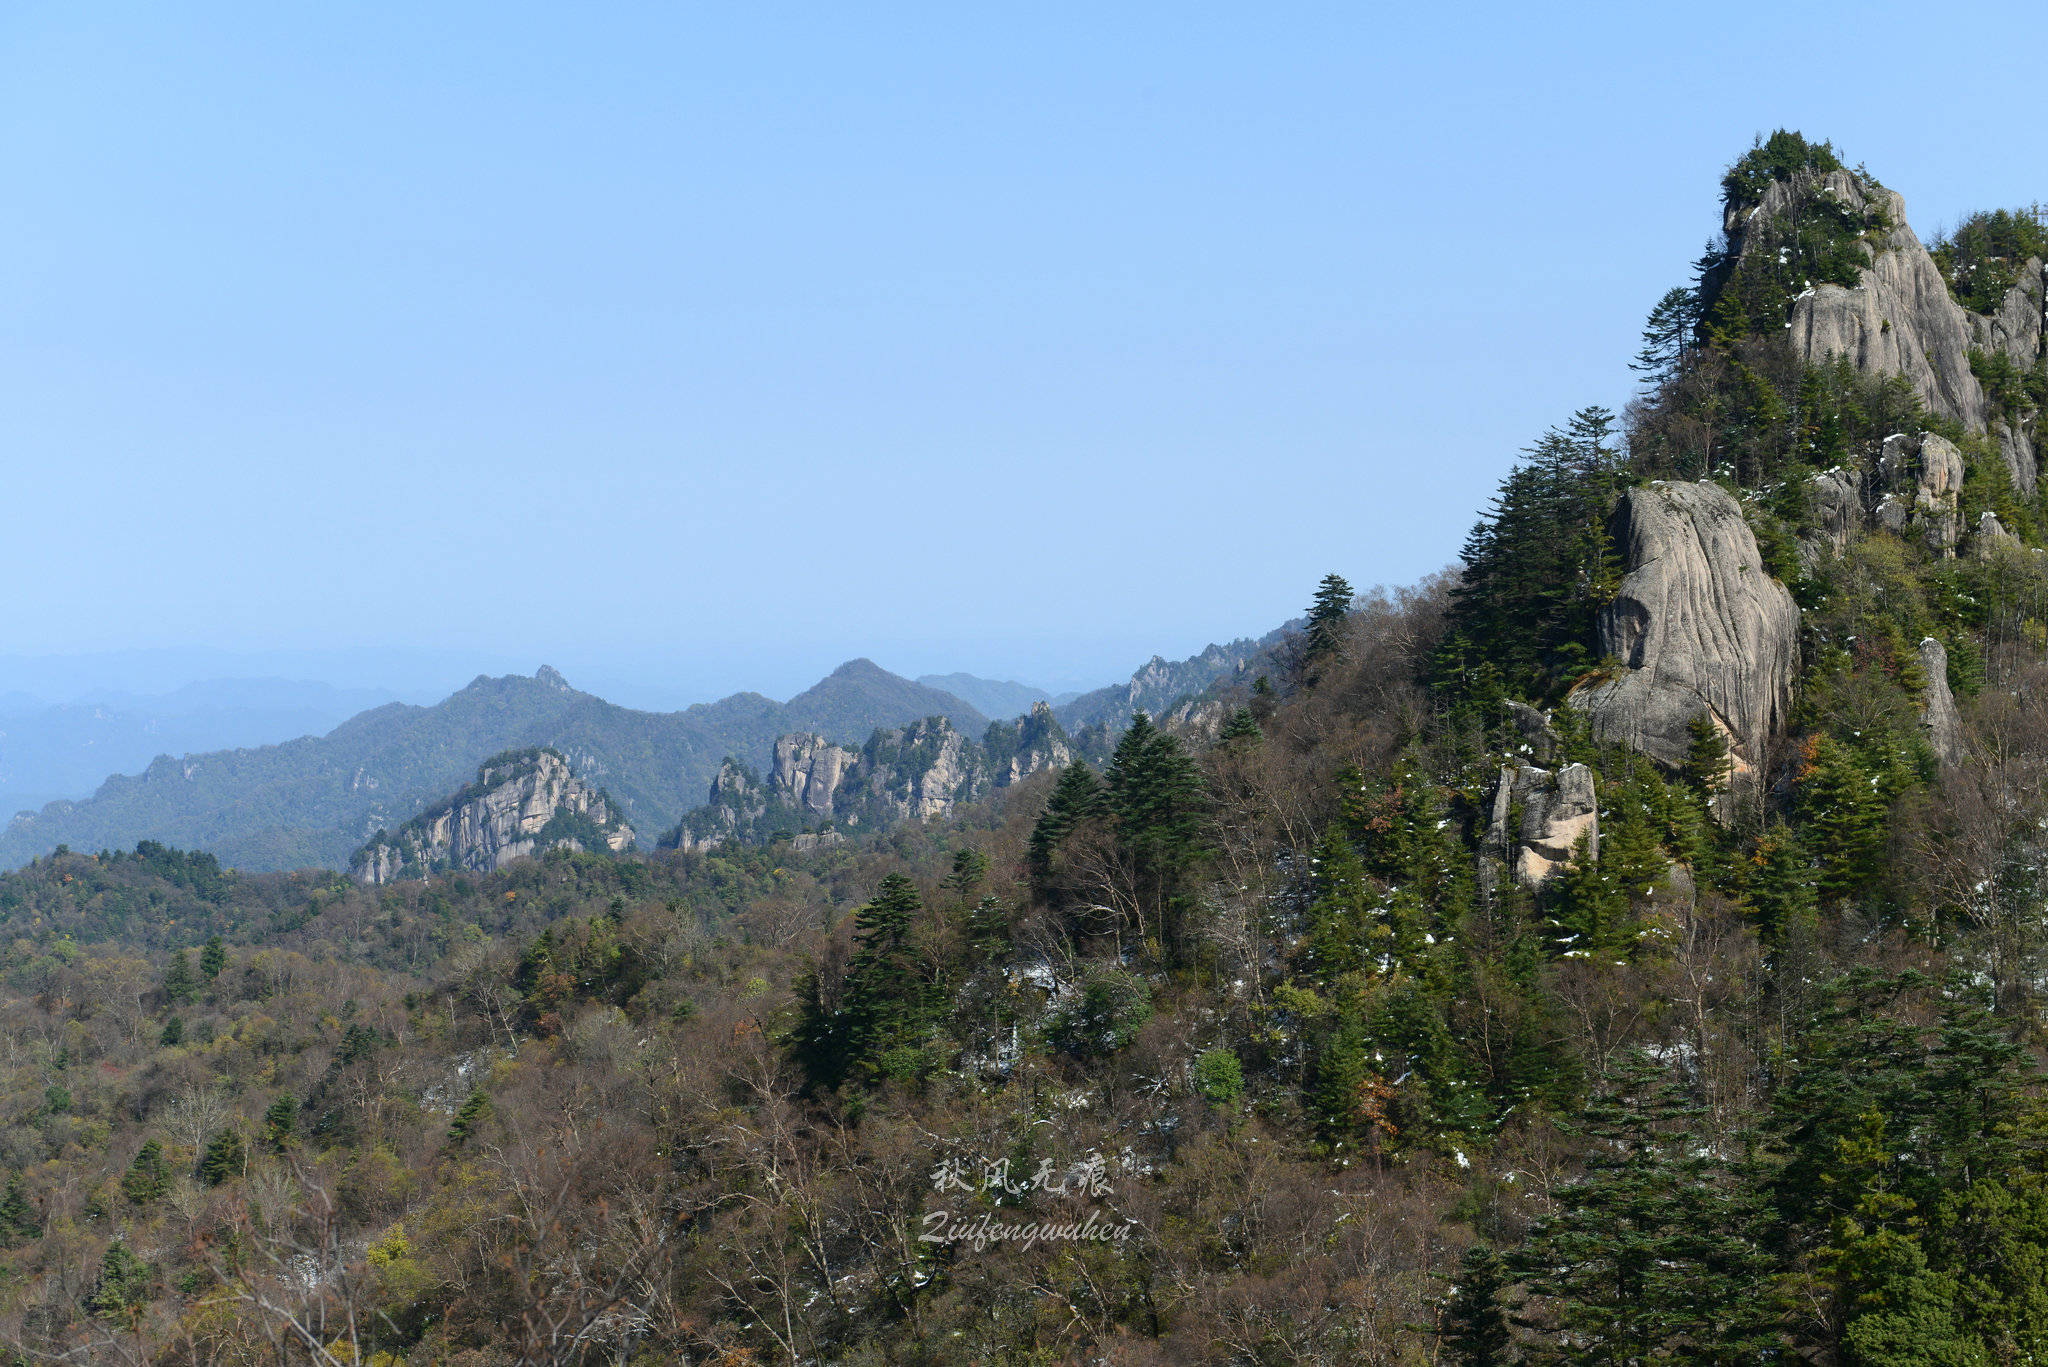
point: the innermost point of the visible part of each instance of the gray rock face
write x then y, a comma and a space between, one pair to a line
1938, 706
1991, 535
520, 803
1899, 318
1558, 809
1699, 626
1924, 471
1541, 742
806, 772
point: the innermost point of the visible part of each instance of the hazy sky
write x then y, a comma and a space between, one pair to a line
696, 349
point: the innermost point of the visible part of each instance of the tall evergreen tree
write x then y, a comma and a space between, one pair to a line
1646, 1257
1076, 797
886, 1002
1475, 1324
1667, 336
179, 984
1327, 616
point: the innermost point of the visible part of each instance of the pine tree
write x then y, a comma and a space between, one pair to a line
1076, 797
1475, 1324
1646, 1255
470, 1116
279, 1120
225, 1157
179, 984
1781, 883
1242, 728
122, 1285
213, 958
1706, 756
1843, 818
173, 1032
1327, 616
17, 1215
886, 1003
148, 1177
1667, 337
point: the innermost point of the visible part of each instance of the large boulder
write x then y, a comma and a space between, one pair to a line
1698, 626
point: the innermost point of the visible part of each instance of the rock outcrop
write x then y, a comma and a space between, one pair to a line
806, 771
1900, 318
522, 803
1018, 749
917, 772
1938, 706
1558, 810
1924, 474
1698, 626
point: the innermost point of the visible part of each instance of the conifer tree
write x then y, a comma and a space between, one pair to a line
279, 1120
148, 1177
1475, 1326
213, 958
225, 1157
122, 1285
886, 1002
1327, 616
1076, 797
470, 1116
1666, 337
179, 984
1646, 1256
17, 1215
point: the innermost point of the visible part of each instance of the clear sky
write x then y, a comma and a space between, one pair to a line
696, 348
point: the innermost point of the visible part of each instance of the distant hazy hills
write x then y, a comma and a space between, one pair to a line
314, 800
997, 698
52, 750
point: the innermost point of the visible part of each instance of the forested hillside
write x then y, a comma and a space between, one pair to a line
1623, 948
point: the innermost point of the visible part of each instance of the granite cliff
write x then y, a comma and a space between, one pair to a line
522, 803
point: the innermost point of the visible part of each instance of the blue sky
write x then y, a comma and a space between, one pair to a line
696, 349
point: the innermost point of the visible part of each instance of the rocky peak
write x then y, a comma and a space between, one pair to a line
522, 803
1899, 318
806, 771
1020, 748
1698, 626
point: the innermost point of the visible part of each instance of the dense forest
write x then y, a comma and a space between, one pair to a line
1235, 1050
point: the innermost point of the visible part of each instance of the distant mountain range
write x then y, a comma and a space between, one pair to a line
312, 801
63, 750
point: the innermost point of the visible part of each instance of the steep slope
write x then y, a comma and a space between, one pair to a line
522, 803
313, 801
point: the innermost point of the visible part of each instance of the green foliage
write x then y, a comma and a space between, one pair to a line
473, 1112
1475, 1323
1537, 570
280, 1118
1780, 157
1646, 1255
1113, 1005
1218, 1077
1326, 618
213, 958
225, 1157
122, 1285
1981, 258
885, 1002
1077, 796
17, 1215
179, 984
173, 1032
148, 1177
